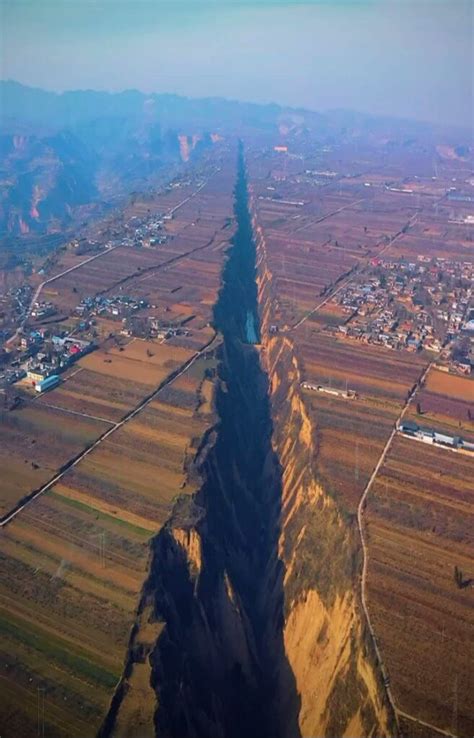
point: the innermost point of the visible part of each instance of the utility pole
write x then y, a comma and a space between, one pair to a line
356, 464
40, 724
100, 547
102, 542
184, 458
454, 722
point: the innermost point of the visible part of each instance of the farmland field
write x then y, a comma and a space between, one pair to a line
351, 433
74, 560
35, 441
460, 388
124, 431
134, 365
313, 235
420, 527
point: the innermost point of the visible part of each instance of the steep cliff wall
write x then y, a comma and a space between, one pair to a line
325, 641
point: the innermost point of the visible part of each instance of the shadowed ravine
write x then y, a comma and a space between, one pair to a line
249, 624
216, 580
222, 652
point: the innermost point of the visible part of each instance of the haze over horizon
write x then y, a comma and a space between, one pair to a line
380, 57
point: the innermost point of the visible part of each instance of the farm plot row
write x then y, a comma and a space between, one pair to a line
446, 404
75, 560
35, 441
350, 436
40, 435
351, 433
420, 522
306, 255
371, 371
196, 222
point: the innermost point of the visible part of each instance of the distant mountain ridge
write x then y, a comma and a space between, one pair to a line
63, 151
69, 109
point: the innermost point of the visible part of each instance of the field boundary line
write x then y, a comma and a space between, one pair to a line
413, 719
147, 272
76, 412
8, 517
365, 554
329, 215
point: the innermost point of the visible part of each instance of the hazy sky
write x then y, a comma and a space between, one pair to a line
403, 57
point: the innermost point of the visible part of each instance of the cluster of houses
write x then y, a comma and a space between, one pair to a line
138, 232
57, 354
14, 304
429, 435
408, 305
31, 345
43, 356
41, 310
152, 327
150, 233
147, 232
346, 394
115, 307
127, 310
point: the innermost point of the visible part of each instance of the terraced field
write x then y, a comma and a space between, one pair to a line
420, 518
420, 509
351, 433
35, 440
74, 560
446, 403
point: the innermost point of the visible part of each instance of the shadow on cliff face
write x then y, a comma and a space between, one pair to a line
219, 666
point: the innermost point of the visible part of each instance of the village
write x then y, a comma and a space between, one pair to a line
410, 305
137, 232
43, 355
40, 354
132, 313
147, 230
14, 303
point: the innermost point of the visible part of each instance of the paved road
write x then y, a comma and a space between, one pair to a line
360, 510
8, 517
38, 290
48, 281
171, 211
